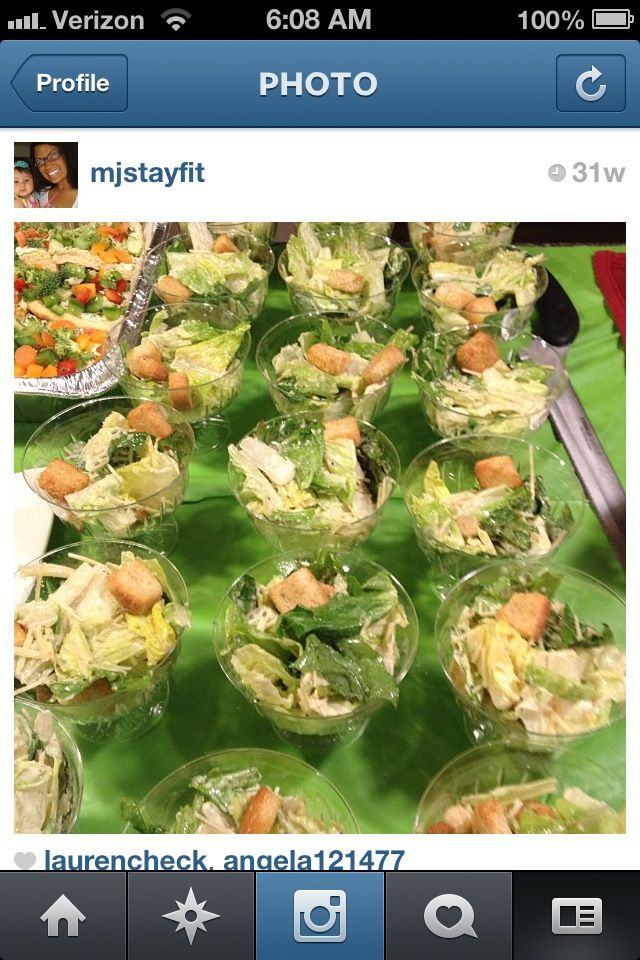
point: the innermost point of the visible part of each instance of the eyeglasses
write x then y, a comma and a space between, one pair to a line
54, 155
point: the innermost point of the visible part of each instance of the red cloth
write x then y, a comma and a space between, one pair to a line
611, 274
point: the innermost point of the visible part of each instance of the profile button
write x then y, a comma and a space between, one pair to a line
55, 83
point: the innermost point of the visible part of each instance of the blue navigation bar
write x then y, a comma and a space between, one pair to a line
306, 83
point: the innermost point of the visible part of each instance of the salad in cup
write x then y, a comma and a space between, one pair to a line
462, 241
189, 356
113, 467
380, 229
504, 292
338, 268
47, 772
316, 643
333, 363
97, 630
262, 230
204, 263
498, 788
535, 653
487, 383
242, 792
478, 498
313, 483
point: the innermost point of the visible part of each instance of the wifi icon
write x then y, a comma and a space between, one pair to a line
176, 17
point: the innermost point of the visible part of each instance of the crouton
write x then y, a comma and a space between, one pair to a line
328, 358
145, 362
527, 613
383, 364
180, 397
440, 827
260, 815
98, 689
170, 290
459, 818
469, 526
490, 817
224, 244
478, 309
135, 587
478, 353
300, 589
19, 634
60, 478
496, 471
538, 808
345, 428
150, 418
347, 281
453, 295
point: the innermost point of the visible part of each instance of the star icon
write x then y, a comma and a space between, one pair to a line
191, 916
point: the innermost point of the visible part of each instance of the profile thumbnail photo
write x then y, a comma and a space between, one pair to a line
45, 175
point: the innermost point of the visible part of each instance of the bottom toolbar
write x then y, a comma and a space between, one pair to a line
276, 916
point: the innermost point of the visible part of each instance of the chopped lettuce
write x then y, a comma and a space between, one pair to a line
296, 476
315, 254
88, 635
497, 520
549, 689
319, 661
218, 804
43, 784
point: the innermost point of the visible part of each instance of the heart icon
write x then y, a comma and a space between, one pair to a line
24, 861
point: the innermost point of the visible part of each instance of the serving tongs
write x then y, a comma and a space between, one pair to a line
559, 325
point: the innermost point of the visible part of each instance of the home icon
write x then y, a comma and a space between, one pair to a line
63, 911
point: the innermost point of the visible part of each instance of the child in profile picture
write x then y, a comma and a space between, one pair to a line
24, 187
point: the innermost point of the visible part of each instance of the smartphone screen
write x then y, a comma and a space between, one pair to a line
319, 554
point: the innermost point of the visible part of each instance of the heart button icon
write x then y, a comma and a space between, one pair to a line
24, 861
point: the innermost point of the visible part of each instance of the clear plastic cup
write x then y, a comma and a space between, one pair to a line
245, 303
71, 774
288, 400
512, 415
290, 776
287, 531
294, 727
149, 520
129, 713
483, 769
589, 599
509, 317
306, 300
203, 403
470, 243
456, 460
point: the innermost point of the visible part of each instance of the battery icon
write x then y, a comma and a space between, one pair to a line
611, 19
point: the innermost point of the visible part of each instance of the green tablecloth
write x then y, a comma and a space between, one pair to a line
383, 774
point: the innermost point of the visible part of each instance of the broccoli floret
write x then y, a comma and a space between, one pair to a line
110, 278
40, 283
72, 270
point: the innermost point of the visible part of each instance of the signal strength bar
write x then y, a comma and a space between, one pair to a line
25, 23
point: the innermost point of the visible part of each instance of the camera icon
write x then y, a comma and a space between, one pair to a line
319, 916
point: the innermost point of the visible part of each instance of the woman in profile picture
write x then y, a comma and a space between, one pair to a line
57, 166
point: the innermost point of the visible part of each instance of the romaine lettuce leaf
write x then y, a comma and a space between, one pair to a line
353, 671
265, 675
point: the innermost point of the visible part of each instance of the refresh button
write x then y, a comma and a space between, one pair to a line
588, 83
592, 75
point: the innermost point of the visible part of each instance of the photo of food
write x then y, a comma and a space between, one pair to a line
328, 525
